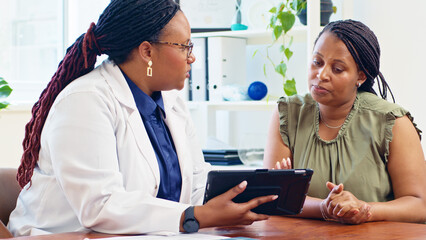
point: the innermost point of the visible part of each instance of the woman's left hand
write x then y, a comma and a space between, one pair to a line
345, 207
283, 164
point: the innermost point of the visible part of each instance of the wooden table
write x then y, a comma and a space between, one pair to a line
291, 228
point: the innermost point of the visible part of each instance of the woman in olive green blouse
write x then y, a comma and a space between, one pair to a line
365, 151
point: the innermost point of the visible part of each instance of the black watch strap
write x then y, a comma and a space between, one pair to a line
190, 224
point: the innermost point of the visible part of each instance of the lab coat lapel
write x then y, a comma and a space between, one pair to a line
123, 94
176, 122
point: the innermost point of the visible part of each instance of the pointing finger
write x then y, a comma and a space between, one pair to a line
260, 200
233, 192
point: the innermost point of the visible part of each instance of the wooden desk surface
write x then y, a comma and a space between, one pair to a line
291, 228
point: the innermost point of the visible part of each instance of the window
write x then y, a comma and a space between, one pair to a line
31, 45
35, 35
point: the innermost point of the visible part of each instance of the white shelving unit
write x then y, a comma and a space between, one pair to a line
217, 118
255, 37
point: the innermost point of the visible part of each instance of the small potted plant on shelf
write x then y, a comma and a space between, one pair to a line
5, 91
281, 22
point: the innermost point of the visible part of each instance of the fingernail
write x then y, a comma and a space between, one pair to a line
274, 197
243, 184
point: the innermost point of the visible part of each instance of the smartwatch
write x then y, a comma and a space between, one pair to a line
190, 224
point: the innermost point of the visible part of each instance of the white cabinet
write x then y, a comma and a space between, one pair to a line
230, 121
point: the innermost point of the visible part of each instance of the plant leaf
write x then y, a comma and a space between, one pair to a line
282, 48
273, 10
290, 87
288, 53
5, 91
290, 42
282, 6
3, 105
281, 68
300, 6
272, 21
277, 31
264, 69
254, 54
287, 20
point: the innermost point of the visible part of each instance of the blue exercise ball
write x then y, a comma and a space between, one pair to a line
257, 90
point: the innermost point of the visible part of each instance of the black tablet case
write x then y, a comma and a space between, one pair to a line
291, 185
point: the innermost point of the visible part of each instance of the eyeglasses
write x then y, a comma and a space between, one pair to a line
188, 46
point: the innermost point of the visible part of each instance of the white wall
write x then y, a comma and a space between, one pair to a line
12, 129
400, 27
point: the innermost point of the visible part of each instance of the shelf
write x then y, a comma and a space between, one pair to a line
253, 37
234, 105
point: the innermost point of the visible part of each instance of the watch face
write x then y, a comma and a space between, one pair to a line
190, 226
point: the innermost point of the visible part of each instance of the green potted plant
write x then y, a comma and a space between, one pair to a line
5, 91
281, 22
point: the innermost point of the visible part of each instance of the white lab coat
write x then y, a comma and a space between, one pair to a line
97, 168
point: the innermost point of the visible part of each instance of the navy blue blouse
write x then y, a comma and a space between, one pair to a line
152, 112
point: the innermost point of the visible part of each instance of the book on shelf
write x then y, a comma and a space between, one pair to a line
221, 156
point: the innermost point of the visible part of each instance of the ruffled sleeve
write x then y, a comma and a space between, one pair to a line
292, 112
283, 114
391, 116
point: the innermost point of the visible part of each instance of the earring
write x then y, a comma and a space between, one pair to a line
358, 84
149, 69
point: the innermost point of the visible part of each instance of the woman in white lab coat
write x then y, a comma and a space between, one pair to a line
113, 149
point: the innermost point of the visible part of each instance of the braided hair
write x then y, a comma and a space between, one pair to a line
364, 48
123, 26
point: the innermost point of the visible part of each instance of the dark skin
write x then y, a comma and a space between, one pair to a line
333, 79
222, 211
170, 69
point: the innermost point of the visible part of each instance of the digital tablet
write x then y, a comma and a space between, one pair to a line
291, 186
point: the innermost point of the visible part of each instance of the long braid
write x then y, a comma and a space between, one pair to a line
364, 47
122, 26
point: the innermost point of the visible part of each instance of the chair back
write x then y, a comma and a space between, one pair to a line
9, 191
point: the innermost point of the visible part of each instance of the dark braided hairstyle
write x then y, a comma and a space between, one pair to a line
364, 48
123, 26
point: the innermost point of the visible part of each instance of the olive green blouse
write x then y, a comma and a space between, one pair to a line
357, 157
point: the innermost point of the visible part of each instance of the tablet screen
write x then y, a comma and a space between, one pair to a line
291, 186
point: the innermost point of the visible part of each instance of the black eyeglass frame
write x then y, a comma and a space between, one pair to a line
189, 46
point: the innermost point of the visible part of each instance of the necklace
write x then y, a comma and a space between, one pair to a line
332, 127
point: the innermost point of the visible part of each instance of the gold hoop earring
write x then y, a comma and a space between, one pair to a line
149, 69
